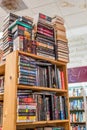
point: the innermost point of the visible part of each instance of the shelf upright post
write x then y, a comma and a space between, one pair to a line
10, 92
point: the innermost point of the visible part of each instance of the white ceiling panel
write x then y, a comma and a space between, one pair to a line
76, 20
50, 10
26, 12
38, 3
69, 7
2, 12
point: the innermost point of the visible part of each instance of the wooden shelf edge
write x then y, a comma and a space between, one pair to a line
43, 58
2, 68
42, 122
77, 110
1, 96
36, 88
77, 122
76, 97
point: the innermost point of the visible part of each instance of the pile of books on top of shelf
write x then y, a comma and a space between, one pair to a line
7, 35
1, 49
62, 50
44, 36
35, 36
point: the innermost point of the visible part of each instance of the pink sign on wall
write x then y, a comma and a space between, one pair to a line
78, 74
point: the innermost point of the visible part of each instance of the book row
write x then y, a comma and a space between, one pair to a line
76, 104
39, 73
78, 127
40, 106
76, 91
77, 117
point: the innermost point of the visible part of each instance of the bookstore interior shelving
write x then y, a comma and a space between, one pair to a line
78, 105
33, 75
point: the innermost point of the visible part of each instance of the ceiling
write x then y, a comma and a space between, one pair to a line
74, 12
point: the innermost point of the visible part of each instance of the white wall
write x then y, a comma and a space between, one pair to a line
78, 51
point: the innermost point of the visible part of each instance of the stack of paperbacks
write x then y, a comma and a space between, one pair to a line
22, 34
44, 36
61, 47
7, 35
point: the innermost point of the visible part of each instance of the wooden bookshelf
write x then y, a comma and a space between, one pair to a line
10, 94
42, 123
59, 63
75, 111
37, 88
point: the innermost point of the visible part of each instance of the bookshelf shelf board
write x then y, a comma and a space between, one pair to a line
78, 122
2, 68
1, 96
76, 97
77, 110
36, 88
46, 123
59, 63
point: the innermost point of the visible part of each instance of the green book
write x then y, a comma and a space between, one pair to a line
17, 22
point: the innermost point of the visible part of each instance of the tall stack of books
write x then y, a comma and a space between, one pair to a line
21, 30
62, 51
26, 107
44, 36
7, 35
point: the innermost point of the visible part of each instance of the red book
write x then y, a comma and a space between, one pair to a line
62, 80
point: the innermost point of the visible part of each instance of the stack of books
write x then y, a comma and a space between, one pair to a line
44, 36
27, 71
21, 30
1, 49
26, 106
62, 51
7, 35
